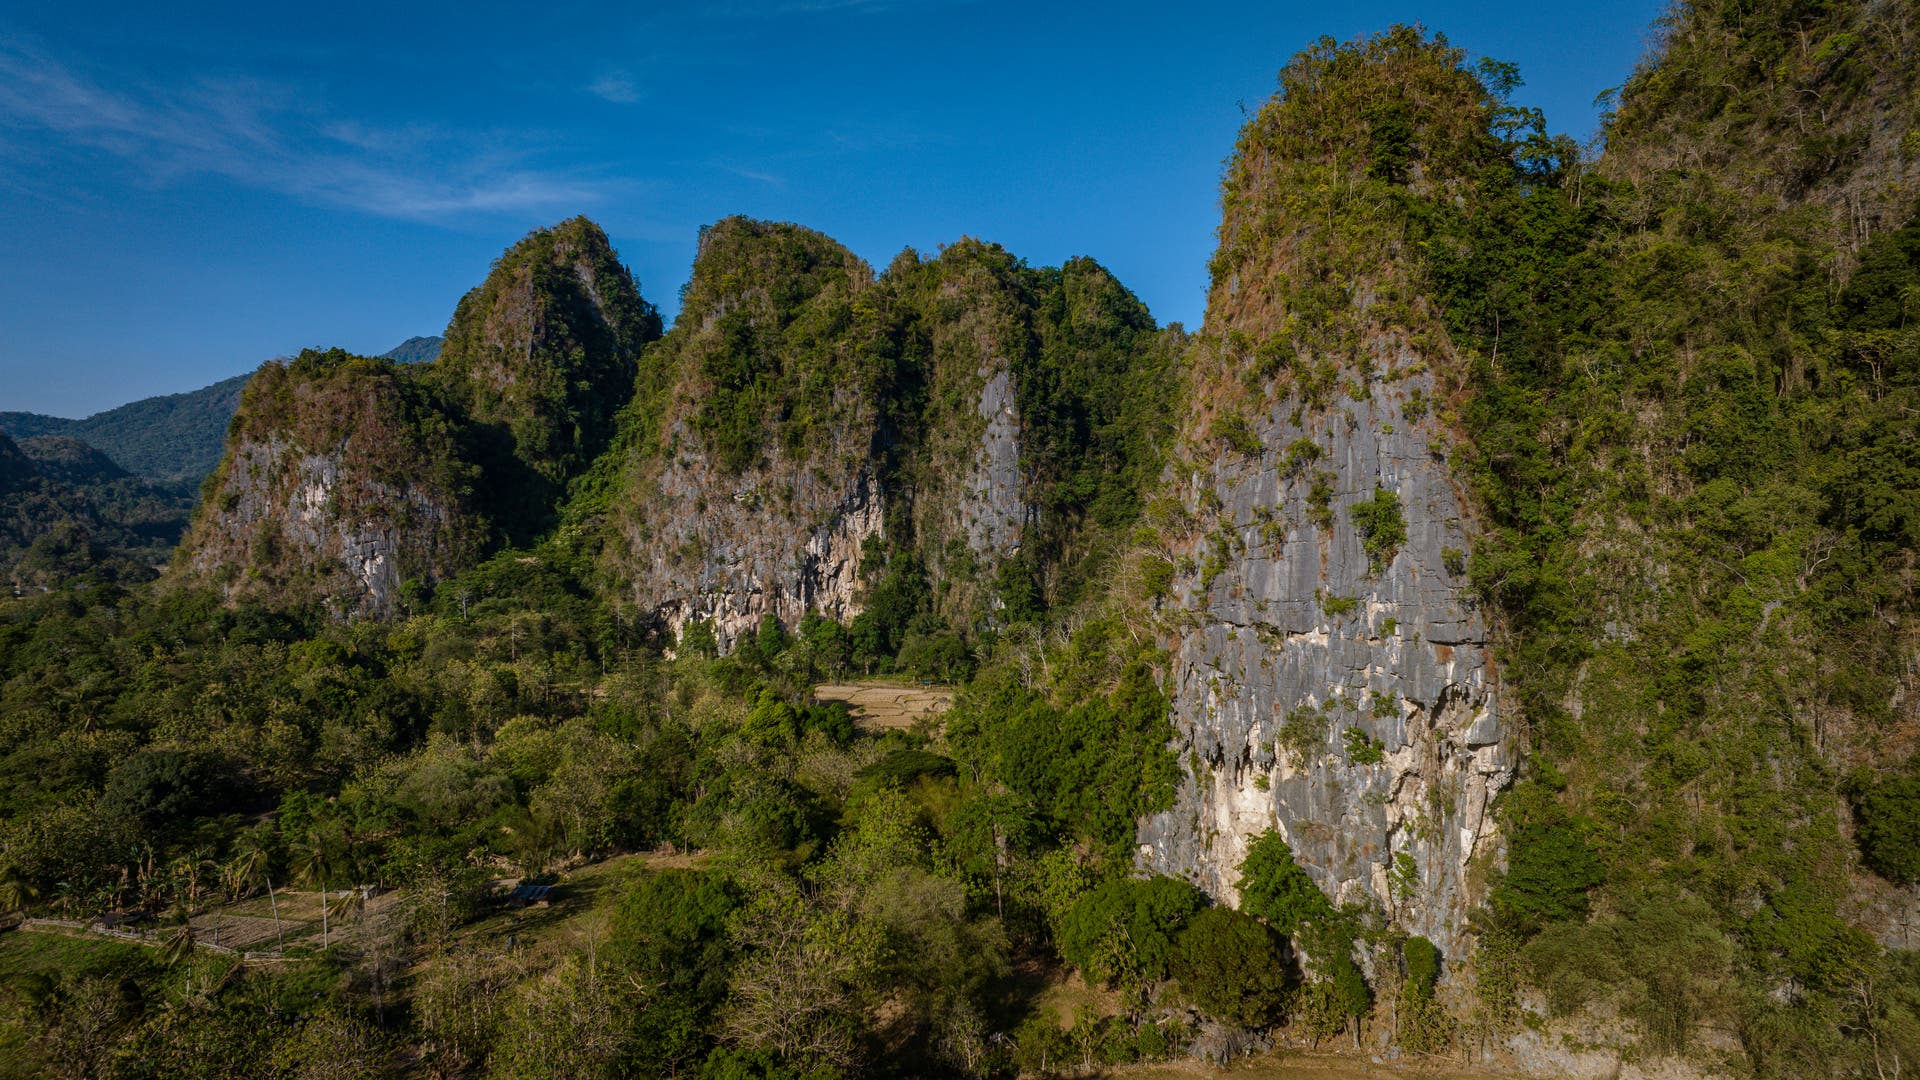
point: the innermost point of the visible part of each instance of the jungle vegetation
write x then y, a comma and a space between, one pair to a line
1680, 372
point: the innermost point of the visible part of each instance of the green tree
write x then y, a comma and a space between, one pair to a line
1235, 967
1127, 926
1888, 816
1382, 526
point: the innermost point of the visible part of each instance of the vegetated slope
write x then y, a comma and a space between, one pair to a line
69, 515
65, 458
1688, 421
172, 438
420, 349
1791, 104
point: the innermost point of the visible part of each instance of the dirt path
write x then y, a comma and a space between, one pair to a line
879, 706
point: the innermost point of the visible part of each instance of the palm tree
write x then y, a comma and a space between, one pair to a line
350, 903
249, 865
178, 945
313, 865
17, 890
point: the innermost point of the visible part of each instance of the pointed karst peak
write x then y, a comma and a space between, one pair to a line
544, 351
741, 259
1357, 131
770, 348
342, 480
1400, 106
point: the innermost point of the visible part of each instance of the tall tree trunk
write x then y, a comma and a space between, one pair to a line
279, 942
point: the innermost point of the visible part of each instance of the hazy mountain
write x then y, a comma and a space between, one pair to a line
415, 350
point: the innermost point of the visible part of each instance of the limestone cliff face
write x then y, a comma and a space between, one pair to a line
342, 480
991, 511
1346, 703
782, 539
972, 314
1047, 404
1336, 691
750, 486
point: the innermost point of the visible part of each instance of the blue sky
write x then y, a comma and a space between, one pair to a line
186, 195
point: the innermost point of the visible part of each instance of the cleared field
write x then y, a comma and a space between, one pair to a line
1296, 1065
880, 706
250, 925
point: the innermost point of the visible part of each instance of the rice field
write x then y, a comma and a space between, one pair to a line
882, 706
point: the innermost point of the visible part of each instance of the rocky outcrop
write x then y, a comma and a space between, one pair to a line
803, 419
970, 314
1343, 699
993, 510
346, 477
731, 550
342, 481
750, 486
1049, 397
1331, 677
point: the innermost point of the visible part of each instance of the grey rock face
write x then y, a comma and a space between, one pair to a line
1297, 656
993, 511
783, 538
291, 499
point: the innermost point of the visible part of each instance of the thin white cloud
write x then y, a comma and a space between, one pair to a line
265, 136
756, 175
615, 86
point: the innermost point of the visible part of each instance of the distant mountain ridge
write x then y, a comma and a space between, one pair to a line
415, 350
69, 513
173, 438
